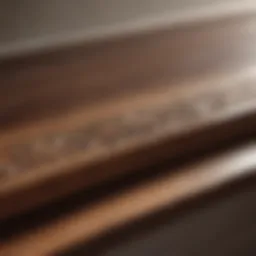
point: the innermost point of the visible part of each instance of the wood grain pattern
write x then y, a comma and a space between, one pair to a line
192, 91
164, 116
42, 167
47, 85
139, 201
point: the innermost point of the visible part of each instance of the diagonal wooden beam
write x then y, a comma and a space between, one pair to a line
142, 200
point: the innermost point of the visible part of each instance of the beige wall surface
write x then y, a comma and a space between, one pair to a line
31, 24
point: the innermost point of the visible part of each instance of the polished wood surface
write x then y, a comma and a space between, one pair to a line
50, 84
52, 162
136, 202
222, 225
178, 90
77, 119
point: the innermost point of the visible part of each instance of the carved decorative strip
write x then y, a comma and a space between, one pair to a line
108, 133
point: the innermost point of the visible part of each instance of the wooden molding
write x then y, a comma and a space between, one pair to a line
193, 91
137, 202
54, 162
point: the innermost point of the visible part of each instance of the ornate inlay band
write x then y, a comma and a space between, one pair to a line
131, 125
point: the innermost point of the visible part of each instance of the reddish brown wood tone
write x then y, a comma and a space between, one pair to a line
183, 90
139, 201
75, 118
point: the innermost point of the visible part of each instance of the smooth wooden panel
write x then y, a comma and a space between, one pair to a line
50, 84
137, 202
223, 225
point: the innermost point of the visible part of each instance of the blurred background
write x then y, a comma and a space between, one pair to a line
27, 25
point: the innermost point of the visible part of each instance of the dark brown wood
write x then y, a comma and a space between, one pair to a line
137, 202
51, 163
221, 223
96, 113
54, 83
194, 89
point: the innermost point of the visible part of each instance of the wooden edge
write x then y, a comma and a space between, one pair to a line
93, 73
199, 14
40, 169
139, 201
